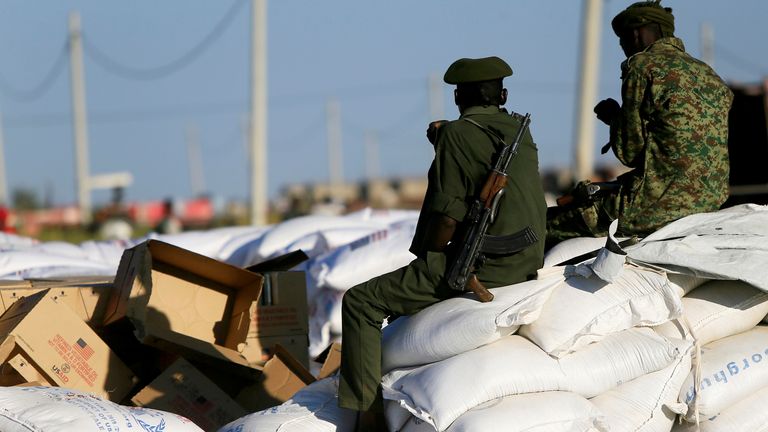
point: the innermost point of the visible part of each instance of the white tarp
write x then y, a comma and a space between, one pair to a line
728, 244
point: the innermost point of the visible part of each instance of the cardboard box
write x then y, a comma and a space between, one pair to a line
258, 350
87, 297
184, 390
282, 376
282, 308
280, 317
177, 298
42, 340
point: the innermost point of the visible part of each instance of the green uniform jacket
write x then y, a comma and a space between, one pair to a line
464, 156
673, 132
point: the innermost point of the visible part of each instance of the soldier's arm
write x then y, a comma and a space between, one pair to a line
627, 137
440, 231
449, 178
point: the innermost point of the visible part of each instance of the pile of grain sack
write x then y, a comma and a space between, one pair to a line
667, 336
671, 338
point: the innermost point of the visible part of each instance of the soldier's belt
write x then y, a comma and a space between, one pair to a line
508, 244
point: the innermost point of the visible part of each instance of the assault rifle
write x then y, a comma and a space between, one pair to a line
481, 215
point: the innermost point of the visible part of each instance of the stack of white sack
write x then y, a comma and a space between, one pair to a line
723, 317
57, 409
579, 338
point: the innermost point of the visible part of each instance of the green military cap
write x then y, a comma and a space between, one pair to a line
472, 70
642, 13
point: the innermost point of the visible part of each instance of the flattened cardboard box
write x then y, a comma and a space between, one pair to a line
184, 390
87, 297
43, 340
331, 360
282, 377
257, 350
175, 295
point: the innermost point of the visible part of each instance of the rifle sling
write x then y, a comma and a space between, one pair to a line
508, 244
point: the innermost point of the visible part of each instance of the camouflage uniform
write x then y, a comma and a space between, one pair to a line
464, 155
673, 132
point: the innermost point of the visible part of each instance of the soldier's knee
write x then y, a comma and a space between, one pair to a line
353, 299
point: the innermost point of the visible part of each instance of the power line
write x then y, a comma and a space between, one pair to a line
137, 73
23, 95
740, 62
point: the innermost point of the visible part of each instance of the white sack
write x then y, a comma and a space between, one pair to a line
26, 264
583, 310
240, 248
10, 241
719, 309
204, 242
747, 415
324, 319
440, 392
461, 324
572, 248
533, 412
285, 233
727, 244
683, 283
375, 254
647, 403
57, 409
384, 216
731, 369
314, 408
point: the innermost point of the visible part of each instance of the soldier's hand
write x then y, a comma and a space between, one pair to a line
433, 128
606, 110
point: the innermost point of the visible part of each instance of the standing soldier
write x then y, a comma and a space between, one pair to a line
465, 151
671, 129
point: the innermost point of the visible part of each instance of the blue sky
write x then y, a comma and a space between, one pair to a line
373, 57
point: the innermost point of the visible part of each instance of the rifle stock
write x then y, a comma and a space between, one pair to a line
480, 291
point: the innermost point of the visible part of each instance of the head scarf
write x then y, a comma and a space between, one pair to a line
642, 13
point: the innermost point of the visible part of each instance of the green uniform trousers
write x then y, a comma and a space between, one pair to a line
404, 291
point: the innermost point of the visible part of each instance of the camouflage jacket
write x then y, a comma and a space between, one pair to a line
673, 132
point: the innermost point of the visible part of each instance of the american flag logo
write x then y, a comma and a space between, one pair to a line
83, 349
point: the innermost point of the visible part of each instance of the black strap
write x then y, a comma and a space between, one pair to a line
509, 244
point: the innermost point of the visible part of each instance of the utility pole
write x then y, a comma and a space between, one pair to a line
335, 157
372, 171
3, 184
436, 103
79, 118
707, 35
584, 136
194, 157
258, 120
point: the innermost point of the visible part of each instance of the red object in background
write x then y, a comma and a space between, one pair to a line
5, 217
194, 212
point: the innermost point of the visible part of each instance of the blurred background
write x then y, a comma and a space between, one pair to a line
120, 118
